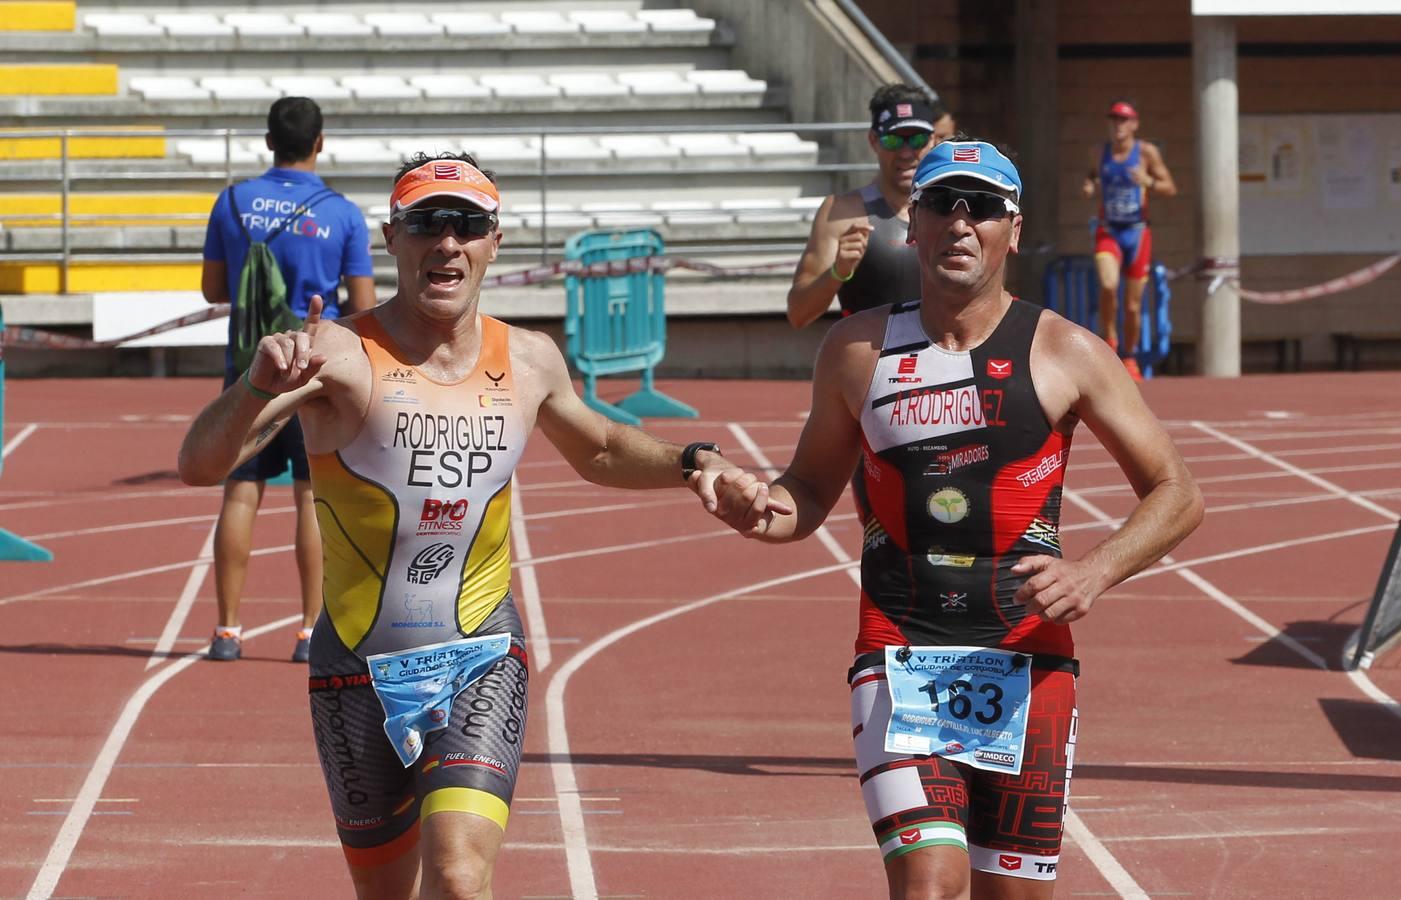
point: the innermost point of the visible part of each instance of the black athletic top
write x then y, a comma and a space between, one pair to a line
889, 272
963, 475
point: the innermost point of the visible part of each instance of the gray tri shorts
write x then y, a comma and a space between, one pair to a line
375, 799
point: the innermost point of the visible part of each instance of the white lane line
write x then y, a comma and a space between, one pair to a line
152, 523
1251, 476
576, 846
1118, 877
66, 498
612, 507
1103, 860
161, 650
822, 534
1237, 833
1251, 551
1340, 492
108, 579
18, 439
61, 851
540, 654
1356, 676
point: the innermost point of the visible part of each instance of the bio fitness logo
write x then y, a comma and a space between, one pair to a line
429, 563
442, 516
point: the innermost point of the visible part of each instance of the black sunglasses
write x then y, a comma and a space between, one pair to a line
980, 204
896, 141
465, 222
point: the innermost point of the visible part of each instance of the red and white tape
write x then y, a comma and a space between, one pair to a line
34, 338
20, 336
1347, 282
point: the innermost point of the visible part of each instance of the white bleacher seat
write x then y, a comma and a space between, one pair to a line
675, 20
441, 87
381, 87
317, 87
559, 220
575, 147
589, 84
406, 148
608, 21
691, 212
122, 25
611, 206
752, 204
469, 24
709, 144
806, 204
639, 146
403, 24
264, 25
239, 87
659, 82
210, 151
360, 150
519, 84
725, 81
769, 217
192, 24
167, 87
332, 24
639, 219
539, 21
777, 143
505, 148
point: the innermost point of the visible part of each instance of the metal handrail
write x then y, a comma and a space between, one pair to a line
886, 49
543, 171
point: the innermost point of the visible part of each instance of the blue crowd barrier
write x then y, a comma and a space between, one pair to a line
617, 323
1071, 288
13, 548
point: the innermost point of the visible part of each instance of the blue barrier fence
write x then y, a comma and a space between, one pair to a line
617, 323
13, 548
1071, 288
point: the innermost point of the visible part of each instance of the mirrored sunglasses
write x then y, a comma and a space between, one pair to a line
465, 223
915, 141
979, 204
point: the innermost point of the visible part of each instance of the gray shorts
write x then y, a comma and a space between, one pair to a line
375, 799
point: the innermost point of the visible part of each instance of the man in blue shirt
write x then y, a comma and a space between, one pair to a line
317, 237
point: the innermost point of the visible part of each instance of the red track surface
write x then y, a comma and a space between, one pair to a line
710, 749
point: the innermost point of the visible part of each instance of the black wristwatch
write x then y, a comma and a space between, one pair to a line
688, 457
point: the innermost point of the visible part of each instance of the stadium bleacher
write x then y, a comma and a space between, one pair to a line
638, 114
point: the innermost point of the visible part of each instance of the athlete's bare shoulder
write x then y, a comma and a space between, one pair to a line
1068, 363
850, 350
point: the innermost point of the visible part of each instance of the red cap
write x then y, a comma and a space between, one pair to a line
444, 177
1122, 110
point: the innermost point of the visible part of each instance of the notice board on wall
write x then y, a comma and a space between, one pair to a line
1320, 184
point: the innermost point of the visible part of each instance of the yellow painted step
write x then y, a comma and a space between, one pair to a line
15, 146
90, 277
33, 15
144, 209
86, 78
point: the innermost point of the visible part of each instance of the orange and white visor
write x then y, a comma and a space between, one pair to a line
444, 178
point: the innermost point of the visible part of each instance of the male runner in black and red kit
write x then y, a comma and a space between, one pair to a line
960, 408
857, 250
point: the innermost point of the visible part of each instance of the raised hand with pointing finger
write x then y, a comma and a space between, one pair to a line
286, 361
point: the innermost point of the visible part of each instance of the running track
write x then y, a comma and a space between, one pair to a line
689, 731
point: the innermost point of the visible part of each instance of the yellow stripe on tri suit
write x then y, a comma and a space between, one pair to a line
470, 800
415, 513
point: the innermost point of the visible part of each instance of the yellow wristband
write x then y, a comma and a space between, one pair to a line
255, 390
840, 278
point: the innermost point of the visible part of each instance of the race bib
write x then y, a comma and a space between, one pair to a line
968, 704
416, 687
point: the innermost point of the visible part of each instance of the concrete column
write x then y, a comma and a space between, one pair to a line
1214, 77
1036, 140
